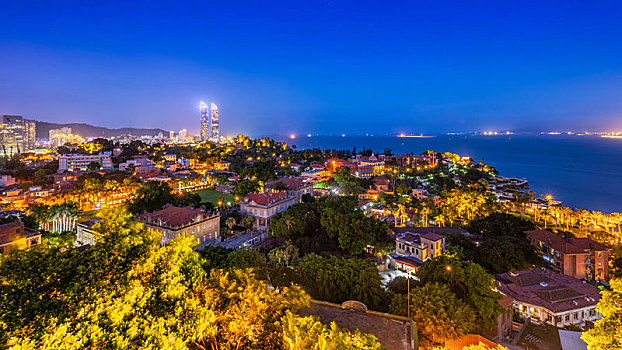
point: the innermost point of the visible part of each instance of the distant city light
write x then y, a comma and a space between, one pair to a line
292, 136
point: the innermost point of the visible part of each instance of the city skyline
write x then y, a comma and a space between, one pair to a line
317, 68
210, 121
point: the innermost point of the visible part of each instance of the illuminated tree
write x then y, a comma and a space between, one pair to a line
607, 332
439, 314
310, 333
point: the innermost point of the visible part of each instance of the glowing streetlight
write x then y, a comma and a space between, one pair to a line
448, 267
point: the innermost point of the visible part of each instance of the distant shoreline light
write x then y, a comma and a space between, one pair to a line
416, 136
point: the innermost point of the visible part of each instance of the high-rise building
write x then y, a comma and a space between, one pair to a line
214, 122
210, 122
183, 133
17, 134
30, 134
171, 135
59, 137
205, 125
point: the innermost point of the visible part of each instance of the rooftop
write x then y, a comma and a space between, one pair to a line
292, 183
565, 245
172, 216
429, 233
549, 289
265, 198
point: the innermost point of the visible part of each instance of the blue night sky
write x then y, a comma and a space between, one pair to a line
315, 67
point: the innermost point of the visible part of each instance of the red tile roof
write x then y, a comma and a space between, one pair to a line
548, 289
172, 216
381, 180
564, 245
265, 198
291, 183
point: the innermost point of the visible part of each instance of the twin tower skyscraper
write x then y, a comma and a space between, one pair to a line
210, 125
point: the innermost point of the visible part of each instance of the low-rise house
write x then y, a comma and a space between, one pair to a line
222, 165
72, 162
381, 184
575, 257
6, 180
170, 157
264, 206
296, 187
137, 163
85, 235
173, 222
315, 175
549, 297
187, 162
14, 235
415, 245
294, 166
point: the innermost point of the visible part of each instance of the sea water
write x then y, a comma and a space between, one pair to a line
581, 171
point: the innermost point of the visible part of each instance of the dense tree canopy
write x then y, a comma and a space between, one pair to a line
154, 195
330, 224
245, 186
439, 314
500, 224
469, 282
340, 279
129, 292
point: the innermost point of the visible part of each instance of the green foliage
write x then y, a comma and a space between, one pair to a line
460, 243
93, 166
244, 187
505, 253
129, 292
505, 246
399, 285
469, 282
607, 332
340, 279
151, 196
310, 333
348, 184
439, 314
330, 224
500, 224
217, 257
154, 195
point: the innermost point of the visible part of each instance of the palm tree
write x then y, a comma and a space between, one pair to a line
440, 220
289, 221
230, 222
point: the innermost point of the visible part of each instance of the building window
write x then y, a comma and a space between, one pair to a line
567, 318
576, 315
558, 319
592, 312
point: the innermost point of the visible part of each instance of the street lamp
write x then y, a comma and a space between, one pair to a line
408, 288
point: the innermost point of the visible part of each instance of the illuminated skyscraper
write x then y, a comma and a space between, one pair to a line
215, 136
205, 124
210, 124
18, 134
182, 135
